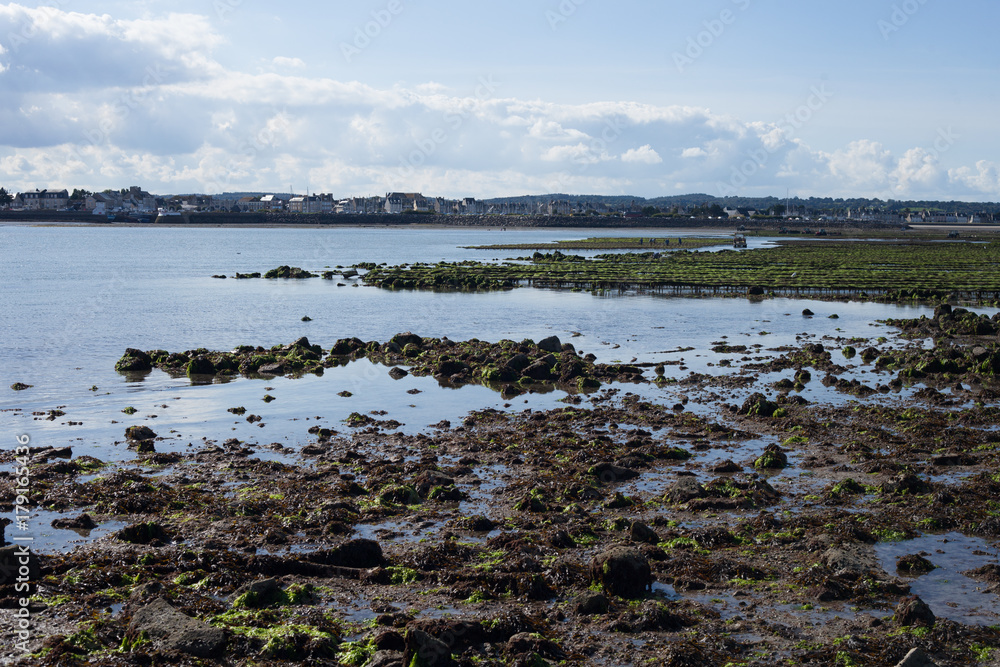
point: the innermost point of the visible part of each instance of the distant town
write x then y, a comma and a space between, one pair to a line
136, 203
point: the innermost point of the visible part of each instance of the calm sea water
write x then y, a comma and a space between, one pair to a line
74, 298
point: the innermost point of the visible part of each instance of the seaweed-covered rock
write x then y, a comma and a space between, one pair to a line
133, 361
591, 603
640, 532
200, 365
550, 344
171, 630
426, 651
139, 433
360, 553
82, 522
758, 405
914, 611
683, 490
913, 564
143, 533
292, 272
773, 458
622, 572
609, 473
408, 338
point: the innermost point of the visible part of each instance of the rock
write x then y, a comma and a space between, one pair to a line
20, 386
561, 539
916, 658
550, 344
757, 404
531, 644
277, 368
518, 362
390, 640
286, 271
772, 458
727, 466
359, 553
481, 524
622, 571
139, 433
408, 338
856, 560
807, 313
301, 343
144, 446
385, 659
907, 484
424, 650
944, 310
345, 346
451, 367
684, 490
989, 574
609, 473
538, 371
397, 373
913, 564
200, 365
171, 630
134, 360
142, 533
257, 594
425, 482
640, 532
82, 522
591, 603
914, 611
11, 558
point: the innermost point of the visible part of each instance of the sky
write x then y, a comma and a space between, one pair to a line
888, 99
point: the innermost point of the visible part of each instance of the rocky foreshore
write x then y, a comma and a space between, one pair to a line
709, 530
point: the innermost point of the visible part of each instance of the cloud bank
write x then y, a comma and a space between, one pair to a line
91, 101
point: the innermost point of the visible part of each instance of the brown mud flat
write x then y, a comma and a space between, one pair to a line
613, 531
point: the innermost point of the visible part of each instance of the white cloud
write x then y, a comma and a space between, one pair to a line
642, 155
915, 171
577, 153
92, 101
984, 179
290, 63
862, 163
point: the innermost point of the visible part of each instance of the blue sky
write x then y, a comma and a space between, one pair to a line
877, 98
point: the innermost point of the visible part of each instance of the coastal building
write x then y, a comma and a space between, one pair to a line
322, 203
561, 207
272, 203
100, 203
399, 202
42, 200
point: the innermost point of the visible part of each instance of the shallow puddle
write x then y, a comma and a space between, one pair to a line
49, 540
948, 593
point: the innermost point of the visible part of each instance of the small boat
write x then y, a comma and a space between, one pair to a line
164, 213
